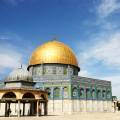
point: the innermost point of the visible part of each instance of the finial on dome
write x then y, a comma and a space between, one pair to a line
55, 38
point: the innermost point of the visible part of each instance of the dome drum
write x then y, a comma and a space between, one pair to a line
53, 69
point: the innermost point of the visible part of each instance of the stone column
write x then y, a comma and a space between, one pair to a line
45, 108
52, 89
9, 109
37, 108
23, 109
5, 109
62, 97
52, 97
18, 108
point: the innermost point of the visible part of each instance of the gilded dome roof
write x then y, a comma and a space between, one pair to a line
53, 52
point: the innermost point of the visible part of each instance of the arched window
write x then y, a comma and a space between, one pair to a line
81, 93
65, 92
88, 94
108, 94
56, 93
75, 92
98, 94
103, 94
93, 94
49, 92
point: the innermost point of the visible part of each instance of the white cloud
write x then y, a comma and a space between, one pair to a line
107, 51
115, 81
9, 57
85, 73
107, 7
115, 84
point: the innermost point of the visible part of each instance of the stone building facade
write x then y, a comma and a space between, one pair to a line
68, 92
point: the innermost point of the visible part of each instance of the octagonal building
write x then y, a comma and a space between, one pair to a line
54, 68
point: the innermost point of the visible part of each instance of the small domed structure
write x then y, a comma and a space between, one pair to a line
19, 74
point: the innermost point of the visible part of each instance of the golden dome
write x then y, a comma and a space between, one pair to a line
53, 52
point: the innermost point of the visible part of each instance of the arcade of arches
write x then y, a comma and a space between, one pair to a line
78, 93
30, 102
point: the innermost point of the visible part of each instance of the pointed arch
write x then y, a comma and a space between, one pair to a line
75, 92
93, 94
88, 93
103, 94
65, 92
98, 94
82, 93
108, 94
56, 93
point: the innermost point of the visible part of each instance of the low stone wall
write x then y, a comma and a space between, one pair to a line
71, 106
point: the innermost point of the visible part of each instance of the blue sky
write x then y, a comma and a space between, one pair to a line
90, 27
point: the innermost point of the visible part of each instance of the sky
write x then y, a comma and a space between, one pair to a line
90, 27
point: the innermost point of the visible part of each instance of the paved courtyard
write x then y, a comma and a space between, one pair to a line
77, 116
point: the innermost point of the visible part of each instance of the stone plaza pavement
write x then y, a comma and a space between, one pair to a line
77, 116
